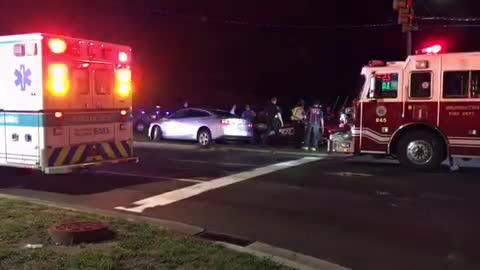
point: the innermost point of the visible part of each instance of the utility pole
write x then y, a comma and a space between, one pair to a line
405, 18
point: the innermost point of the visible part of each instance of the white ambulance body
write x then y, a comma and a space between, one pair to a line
64, 103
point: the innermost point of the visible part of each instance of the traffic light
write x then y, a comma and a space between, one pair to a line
405, 14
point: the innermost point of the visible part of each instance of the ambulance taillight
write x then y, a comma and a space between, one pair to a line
123, 82
58, 82
57, 46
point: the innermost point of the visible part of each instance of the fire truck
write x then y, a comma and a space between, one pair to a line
64, 103
420, 111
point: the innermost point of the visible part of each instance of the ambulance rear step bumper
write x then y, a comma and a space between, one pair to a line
71, 168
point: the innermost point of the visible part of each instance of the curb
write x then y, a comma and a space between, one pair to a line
181, 228
284, 257
258, 249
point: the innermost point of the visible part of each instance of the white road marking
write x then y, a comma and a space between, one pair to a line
214, 163
191, 191
151, 176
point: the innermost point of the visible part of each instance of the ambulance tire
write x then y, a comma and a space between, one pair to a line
157, 134
421, 150
204, 137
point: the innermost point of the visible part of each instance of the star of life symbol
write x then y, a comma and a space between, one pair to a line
23, 77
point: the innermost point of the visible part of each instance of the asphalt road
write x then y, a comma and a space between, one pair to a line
363, 215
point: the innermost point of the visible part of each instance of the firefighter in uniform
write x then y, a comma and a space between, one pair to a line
298, 118
315, 127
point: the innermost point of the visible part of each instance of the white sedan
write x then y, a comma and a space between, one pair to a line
204, 126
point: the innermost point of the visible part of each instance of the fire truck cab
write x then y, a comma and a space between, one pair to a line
421, 111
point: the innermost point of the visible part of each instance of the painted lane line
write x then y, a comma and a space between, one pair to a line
150, 176
191, 191
214, 163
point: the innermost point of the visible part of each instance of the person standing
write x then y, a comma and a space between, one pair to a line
298, 118
271, 114
315, 127
249, 114
233, 110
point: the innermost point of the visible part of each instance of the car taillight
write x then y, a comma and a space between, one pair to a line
124, 82
250, 125
225, 122
58, 82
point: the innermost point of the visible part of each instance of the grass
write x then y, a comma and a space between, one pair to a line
136, 246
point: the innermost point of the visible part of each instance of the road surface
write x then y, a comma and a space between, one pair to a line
362, 215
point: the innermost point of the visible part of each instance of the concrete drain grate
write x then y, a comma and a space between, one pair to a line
230, 239
80, 232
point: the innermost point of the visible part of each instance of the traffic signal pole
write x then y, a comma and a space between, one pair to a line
409, 43
405, 19
409, 33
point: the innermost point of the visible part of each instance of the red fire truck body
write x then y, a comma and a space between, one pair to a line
421, 111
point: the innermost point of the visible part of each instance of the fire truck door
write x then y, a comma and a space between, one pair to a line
460, 112
420, 105
381, 112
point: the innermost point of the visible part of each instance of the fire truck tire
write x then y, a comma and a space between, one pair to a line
157, 134
421, 150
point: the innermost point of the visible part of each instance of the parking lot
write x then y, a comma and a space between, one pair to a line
357, 213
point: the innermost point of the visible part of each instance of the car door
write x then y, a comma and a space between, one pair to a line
174, 127
197, 119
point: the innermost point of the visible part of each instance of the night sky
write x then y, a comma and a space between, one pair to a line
188, 50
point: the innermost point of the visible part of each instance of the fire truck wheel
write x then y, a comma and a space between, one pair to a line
157, 134
421, 150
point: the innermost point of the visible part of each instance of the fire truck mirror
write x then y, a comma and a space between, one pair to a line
371, 89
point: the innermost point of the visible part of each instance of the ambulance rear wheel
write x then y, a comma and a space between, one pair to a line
157, 134
421, 150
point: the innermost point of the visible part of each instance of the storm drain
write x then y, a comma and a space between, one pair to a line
220, 237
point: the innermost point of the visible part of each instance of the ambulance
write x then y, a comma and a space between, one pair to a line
421, 111
64, 103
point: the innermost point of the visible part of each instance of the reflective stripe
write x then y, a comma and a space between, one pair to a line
77, 154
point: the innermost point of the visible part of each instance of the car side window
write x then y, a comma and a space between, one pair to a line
179, 114
197, 114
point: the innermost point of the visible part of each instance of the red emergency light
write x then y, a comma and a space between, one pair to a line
122, 57
57, 46
434, 49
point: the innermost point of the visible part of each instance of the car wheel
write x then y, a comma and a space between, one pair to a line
204, 137
157, 134
421, 150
